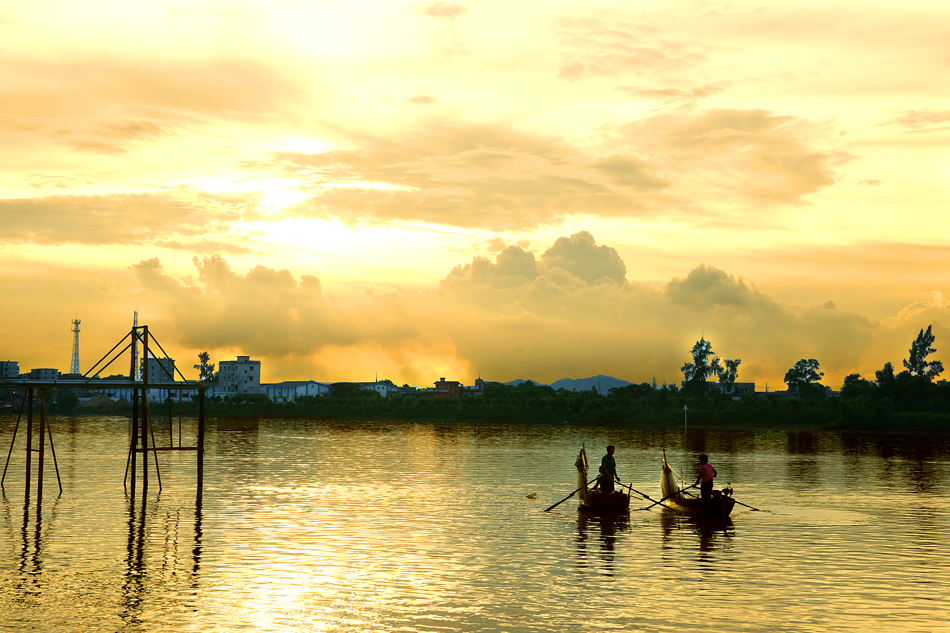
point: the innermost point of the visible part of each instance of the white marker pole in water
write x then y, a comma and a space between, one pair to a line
684, 418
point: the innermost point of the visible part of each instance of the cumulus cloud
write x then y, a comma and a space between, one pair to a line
265, 311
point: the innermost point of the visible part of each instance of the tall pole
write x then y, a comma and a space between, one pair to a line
39, 461
144, 411
29, 442
135, 407
201, 440
684, 420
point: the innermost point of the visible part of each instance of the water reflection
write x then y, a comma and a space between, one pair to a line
597, 534
146, 520
30, 537
713, 532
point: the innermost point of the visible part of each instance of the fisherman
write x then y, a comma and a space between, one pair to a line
608, 471
706, 475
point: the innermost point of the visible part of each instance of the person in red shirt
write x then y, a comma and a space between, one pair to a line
706, 475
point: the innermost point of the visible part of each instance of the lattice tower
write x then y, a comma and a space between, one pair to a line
74, 366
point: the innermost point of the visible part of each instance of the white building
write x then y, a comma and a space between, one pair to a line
9, 369
291, 389
239, 376
159, 369
44, 373
383, 388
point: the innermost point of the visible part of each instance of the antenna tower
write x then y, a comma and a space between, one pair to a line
74, 365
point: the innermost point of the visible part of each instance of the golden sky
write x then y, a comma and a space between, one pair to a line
516, 189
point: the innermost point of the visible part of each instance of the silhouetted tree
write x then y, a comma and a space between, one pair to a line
804, 377
727, 377
206, 372
920, 349
696, 372
855, 386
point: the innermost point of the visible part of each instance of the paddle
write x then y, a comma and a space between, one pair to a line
748, 506
570, 495
666, 497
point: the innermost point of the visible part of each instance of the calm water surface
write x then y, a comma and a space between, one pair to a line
332, 526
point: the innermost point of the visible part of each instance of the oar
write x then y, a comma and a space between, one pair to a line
632, 489
747, 505
570, 495
667, 497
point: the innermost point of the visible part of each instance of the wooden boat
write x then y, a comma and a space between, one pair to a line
597, 501
679, 500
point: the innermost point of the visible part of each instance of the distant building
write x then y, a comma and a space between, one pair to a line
385, 388
290, 390
9, 369
159, 369
480, 387
443, 389
44, 373
239, 376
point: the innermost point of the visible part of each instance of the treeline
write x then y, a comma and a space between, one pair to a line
908, 404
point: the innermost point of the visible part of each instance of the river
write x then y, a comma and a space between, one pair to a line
337, 526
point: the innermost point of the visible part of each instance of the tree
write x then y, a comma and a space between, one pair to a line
727, 377
920, 349
855, 386
66, 400
206, 372
804, 377
696, 372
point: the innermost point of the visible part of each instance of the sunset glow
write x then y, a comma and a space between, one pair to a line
420, 189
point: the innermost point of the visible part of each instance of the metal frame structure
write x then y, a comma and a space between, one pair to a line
140, 419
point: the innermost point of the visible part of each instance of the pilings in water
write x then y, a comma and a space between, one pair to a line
35, 393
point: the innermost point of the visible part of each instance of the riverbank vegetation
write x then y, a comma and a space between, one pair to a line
910, 401
907, 404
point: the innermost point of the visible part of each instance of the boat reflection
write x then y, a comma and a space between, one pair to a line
713, 531
597, 533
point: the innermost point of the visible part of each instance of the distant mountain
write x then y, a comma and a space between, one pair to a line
602, 384
515, 383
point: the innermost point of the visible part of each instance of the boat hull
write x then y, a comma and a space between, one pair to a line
714, 507
596, 501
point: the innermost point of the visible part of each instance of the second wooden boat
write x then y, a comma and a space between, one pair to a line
680, 500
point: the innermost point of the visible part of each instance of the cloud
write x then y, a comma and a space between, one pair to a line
580, 256
229, 87
482, 177
706, 287
265, 311
442, 10
423, 100
595, 47
755, 153
122, 219
922, 120
672, 94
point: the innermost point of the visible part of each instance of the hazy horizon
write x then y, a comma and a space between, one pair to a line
436, 188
